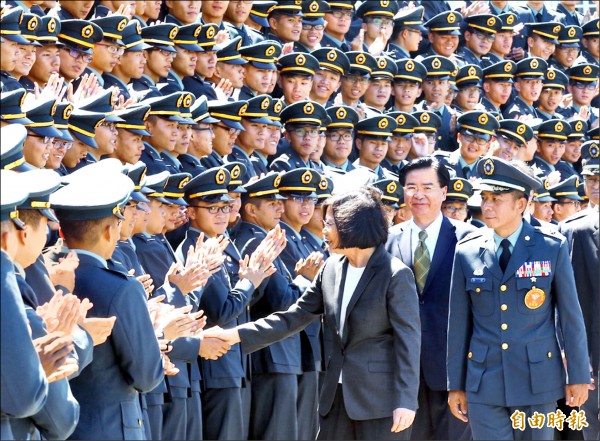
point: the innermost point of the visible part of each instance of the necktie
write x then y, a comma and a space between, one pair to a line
466, 172
538, 17
421, 262
505, 255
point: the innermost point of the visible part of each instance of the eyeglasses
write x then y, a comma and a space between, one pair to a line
202, 129
304, 200
328, 224
45, 139
470, 139
246, 2
483, 36
335, 137
470, 91
592, 180
166, 53
306, 27
230, 130
214, 209
413, 31
590, 86
426, 189
78, 55
59, 145
569, 50
342, 14
111, 125
575, 203
381, 22
312, 133
509, 143
115, 50
431, 137
355, 79
454, 210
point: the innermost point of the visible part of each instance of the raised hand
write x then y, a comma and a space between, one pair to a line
211, 348
310, 266
224, 89
63, 272
357, 43
99, 328
53, 350
147, 283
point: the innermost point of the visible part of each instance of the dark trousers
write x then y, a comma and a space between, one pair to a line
592, 411
434, 420
274, 414
308, 400
155, 417
338, 425
194, 417
174, 419
493, 422
246, 407
222, 413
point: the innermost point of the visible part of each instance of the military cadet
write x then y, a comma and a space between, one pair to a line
505, 281
313, 25
63, 142
590, 52
61, 412
107, 51
400, 144
255, 120
226, 130
78, 38
181, 13
444, 30
551, 142
47, 58
567, 198
565, 53
298, 186
529, 74
184, 128
542, 39
275, 369
554, 86
129, 144
512, 136
468, 82
229, 68
40, 132
497, 85
569, 164
161, 124
455, 205
237, 171
259, 70
235, 17
11, 156
583, 86
475, 132
425, 137
11, 41
201, 139
540, 208
479, 33
82, 127
28, 52
205, 65
435, 89
285, 21
542, 13
356, 80
390, 196
339, 20
432, 237
259, 158
159, 59
407, 33
259, 13
132, 362
407, 86
296, 73
590, 154
502, 44
372, 142
333, 65
312, 232
184, 63
375, 17
24, 383
379, 90
302, 121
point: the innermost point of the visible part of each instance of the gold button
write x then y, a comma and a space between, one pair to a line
503, 288
504, 307
505, 346
504, 326
470, 355
549, 354
139, 422
477, 289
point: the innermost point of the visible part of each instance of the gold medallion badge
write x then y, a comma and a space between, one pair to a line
535, 298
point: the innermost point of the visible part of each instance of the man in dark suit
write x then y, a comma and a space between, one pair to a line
425, 182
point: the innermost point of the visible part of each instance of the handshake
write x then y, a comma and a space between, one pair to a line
217, 341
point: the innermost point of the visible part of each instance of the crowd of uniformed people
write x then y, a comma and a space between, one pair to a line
164, 164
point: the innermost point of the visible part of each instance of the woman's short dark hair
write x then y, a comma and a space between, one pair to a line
359, 218
426, 162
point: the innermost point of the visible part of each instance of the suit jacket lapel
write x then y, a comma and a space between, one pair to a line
340, 279
404, 248
445, 238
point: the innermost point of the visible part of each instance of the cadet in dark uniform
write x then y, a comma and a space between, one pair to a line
406, 88
312, 233
425, 137
339, 139
479, 33
130, 131
455, 205
567, 199
313, 24
554, 86
583, 80
40, 130
502, 44
9, 29
570, 163
374, 16
260, 68
226, 130
468, 82
205, 65
529, 74
565, 53
47, 36
444, 32
373, 137
390, 197
186, 45
282, 28
512, 136
337, 37
542, 38
78, 38
589, 54
497, 85
275, 369
552, 137
503, 355
131, 362
400, 144
201, 139
333, 65
407, 33
82, 127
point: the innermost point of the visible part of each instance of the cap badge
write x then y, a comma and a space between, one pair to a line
183, 182
558, 127
278, 107
243, 109
323, 184
67, 111
551, 74
341, 113
594, 150
409, 66
306, 177
309, 108
577, 181
587, 70
472, 71
458, 185
556, 29
187, 101
391, 188
451, 18
87, 31
238, 45
264, 105
52, 25
510, 19
534, 64
384, 3
383, 123
331, 55
313, 7
197, 31
236, 171
521, 129
277, 181
32, 24
488, 167
401, 120
270, 51
122, 25
491, 21
360, 59
424, 118
546, 184
138, 28
382, 63
300, 60
53, 109
571, 32
483, 119
508, 66
173, 33
220, 177
578, 126
210, 32
436, 63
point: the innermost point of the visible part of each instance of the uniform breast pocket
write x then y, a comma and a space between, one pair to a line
476, 365
533, 297
482, 299
131, 420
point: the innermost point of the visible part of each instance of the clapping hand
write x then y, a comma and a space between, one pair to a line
310, 266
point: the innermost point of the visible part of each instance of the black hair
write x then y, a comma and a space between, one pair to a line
426, 162
359, 218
